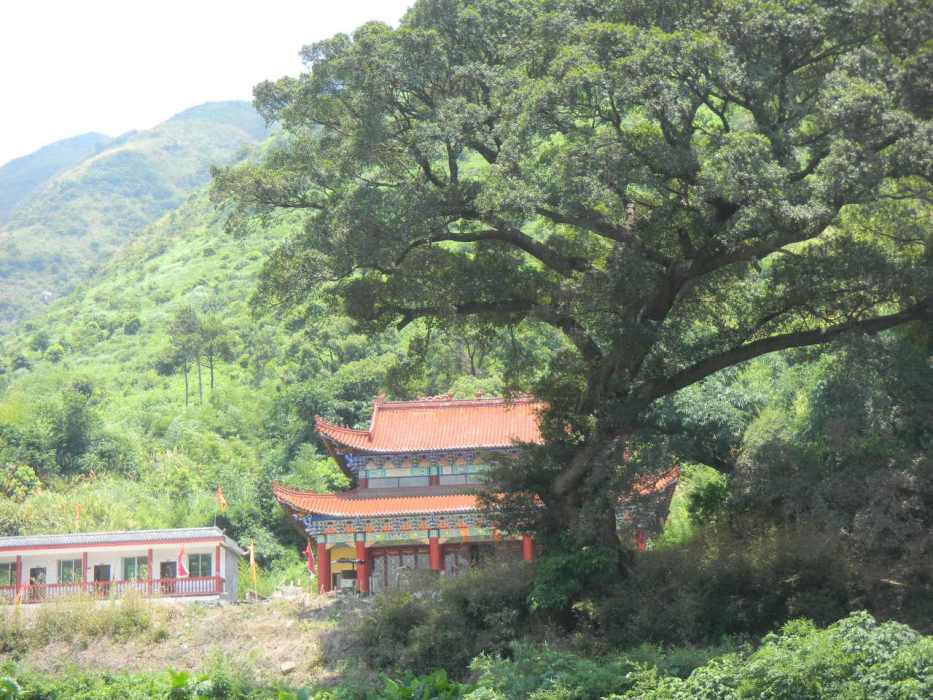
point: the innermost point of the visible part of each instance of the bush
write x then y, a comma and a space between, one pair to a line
546, 674
717, 585
55, 353
448, 625
857, 658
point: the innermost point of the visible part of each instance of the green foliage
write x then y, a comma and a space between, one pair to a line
671, 189
479, 612
22, 176
69, 620
17, 481
433, 686
84, 206
855, 658
547, 674
9, 689
177, 685
563, 575
719, 584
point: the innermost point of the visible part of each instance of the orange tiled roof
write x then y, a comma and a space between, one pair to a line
351, 504
440, 423
648, 484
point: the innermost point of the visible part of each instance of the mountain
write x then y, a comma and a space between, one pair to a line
22, 176
77, 219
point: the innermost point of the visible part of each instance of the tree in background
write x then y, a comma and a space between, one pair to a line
215, 341
185, 346
675, 187
197, 340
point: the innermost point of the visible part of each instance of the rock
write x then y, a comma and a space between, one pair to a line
287, 667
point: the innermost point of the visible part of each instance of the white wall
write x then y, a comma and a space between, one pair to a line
114, 557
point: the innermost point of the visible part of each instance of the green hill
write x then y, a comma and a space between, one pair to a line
93, 412
79, 218
93, 407
22, 176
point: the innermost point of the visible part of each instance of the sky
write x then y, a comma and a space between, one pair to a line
72, 66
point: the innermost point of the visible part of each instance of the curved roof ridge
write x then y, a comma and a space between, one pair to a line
441, 423
344, 505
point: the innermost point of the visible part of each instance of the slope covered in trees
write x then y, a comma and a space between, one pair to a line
77, 218
674, 188
21, 176
750, 300
94, 408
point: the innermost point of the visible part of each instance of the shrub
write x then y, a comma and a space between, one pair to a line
436, 686
856, 658
547, 674
132, 326
717, 585
449, 624
55, 353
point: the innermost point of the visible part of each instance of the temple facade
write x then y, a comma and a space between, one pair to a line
415, 473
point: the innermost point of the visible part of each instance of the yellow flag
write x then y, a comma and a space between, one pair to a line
77, 516
252, 563
221, 501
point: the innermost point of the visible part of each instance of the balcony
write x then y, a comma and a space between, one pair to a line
157, 588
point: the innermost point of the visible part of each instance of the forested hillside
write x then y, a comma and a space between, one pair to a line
86, 199
21, 176
700, 237
94, 412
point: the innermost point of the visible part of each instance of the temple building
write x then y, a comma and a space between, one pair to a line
415, 473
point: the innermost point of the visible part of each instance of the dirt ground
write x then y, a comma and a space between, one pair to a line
299, 642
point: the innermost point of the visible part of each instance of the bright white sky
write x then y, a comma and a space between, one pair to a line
72, 66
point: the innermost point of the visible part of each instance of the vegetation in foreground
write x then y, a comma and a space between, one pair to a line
856, 658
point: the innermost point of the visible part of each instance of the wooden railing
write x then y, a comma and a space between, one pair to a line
158, 587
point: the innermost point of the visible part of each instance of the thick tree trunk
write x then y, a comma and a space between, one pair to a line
200, 385
186, 384
210, 364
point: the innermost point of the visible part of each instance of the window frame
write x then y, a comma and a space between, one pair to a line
201, 558
75, 566
10, 580
140, 564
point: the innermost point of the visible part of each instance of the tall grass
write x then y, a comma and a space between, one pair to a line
68, 620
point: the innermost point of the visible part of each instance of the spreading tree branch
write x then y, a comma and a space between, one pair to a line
748, 351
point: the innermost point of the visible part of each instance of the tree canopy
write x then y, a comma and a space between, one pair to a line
676, 187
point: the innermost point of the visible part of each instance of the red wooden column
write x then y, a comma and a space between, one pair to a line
19, 574
437, 561
84, 571
323, 568
149, 569
217, 579
528, 548
362, 570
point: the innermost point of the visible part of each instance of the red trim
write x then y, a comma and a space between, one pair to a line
437, 557
96, 545
19, 573
149, 568
84, 567
217, 569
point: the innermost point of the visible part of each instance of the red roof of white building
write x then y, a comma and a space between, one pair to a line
440, 423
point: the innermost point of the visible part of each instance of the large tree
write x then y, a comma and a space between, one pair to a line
677, 186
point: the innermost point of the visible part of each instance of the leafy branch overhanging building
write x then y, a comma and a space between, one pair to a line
416, 472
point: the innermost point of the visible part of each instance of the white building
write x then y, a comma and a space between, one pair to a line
34, 568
